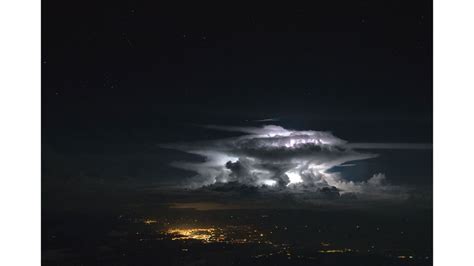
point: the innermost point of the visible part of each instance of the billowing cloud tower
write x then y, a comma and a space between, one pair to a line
278, 158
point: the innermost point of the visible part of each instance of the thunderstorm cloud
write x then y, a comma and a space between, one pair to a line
272, 158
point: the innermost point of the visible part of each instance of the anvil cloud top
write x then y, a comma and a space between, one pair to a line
274, 157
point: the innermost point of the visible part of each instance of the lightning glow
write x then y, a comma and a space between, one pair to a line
278, 158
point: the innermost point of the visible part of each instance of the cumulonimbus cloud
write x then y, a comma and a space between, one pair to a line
272, 157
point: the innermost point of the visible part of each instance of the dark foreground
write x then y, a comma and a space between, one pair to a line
236, 237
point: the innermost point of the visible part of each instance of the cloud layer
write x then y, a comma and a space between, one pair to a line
278, 159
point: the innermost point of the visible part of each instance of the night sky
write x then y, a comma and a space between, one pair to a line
119, 79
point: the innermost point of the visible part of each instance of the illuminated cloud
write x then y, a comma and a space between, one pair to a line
274, 158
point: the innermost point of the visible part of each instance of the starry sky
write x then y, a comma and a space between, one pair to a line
120, 79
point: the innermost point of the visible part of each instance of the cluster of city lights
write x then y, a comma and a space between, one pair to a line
202, 234
233, 235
